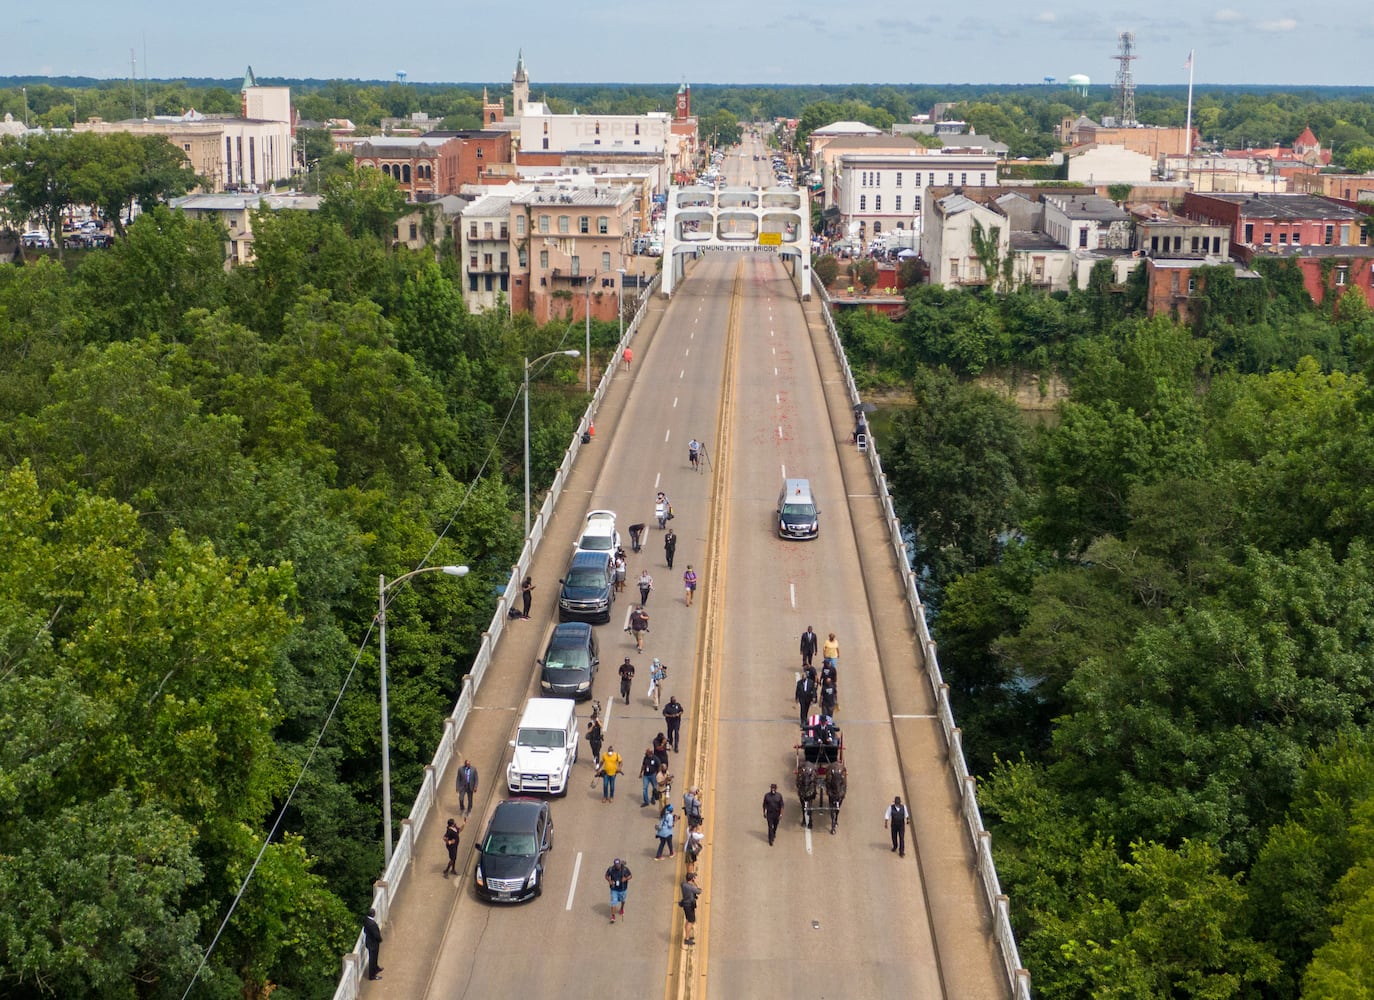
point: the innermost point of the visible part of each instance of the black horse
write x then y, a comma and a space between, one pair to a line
836, 785
808, 787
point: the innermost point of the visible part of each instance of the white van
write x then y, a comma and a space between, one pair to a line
545, 747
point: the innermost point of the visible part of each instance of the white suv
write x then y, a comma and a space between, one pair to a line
599, 533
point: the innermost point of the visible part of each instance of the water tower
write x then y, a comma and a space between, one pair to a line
401, 77
1079, 84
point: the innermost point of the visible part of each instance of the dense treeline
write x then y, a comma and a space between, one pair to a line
204, 474
1156, 615
1024, 117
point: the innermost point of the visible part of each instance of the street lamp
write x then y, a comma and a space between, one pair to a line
588, 311
382, 589
528, 365
620, 305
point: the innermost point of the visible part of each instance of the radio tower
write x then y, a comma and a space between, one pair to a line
1125, 79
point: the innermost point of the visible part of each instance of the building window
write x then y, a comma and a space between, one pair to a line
543, 223
983, 180
863, 203
603, 224
564, 223
1192, 284
505, 282
932, 179
636, 128
1083, 237
505, 260
951, 179
1342, 274
1330, 235
519, 225
1283, 239
877, 228
488, 282
414, 231
486, 262
472, 282
963, 179
543, 260
1250, 234
877, 203
523, 257
899, 202
605, 260
487, 229
584, 224
405, 174
505, 231
1268, 237
546, 140
575, 262
472, 261
899, 178
472, 231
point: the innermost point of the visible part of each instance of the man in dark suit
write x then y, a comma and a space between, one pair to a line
372, 934
809, 644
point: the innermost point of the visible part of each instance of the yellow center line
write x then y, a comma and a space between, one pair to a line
687, 976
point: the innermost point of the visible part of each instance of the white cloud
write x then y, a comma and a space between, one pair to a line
1278, 24
1228, 15
1045, 17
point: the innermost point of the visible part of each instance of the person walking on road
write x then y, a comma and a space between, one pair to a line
689, 584
526, 596
663, 788
669, 546
830, 652
896, 819
665, 833
694, 454
691, 804
690, 892
466, 783
648, 771
628, 357
627, 676
646, 584
620, 573
829, 699
693, 843
672, 716
594, 739
772, 811
639, 624
618, 876
657, 674
636, 536
805, 695
452, 834
372, 934
809, 643
610, 767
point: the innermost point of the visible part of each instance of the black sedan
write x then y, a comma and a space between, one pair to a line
510, 857
569, 662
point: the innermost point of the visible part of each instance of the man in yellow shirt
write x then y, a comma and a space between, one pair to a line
610, 767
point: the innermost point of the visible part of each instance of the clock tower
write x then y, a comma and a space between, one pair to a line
684, 103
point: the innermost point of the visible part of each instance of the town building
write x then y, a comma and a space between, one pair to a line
235, 213
253, 151
1101, 164
438, 163
1153, 141
1347, 187
485, 250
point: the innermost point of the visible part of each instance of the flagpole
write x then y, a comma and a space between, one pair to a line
1188, 125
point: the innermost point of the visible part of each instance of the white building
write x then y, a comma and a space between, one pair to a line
882, 192
1106, 164
948, 238
485, 249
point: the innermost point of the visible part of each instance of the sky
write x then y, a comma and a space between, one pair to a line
704, 41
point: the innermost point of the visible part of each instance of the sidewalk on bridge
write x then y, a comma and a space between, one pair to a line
971, 965
426, 903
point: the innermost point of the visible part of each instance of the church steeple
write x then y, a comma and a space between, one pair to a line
520, 86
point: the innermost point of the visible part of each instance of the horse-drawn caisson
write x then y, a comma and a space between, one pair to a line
820, 769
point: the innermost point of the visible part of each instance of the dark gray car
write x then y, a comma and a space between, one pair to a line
569, 663
510, 856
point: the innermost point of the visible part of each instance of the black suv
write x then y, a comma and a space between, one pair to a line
588, 588
569, 663
510, 857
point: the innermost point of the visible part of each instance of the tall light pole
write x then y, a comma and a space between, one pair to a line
529, 364
588, 310
382, 588
620, 305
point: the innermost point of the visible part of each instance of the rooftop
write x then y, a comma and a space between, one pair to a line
1288, 206
1088, 207
846, 128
